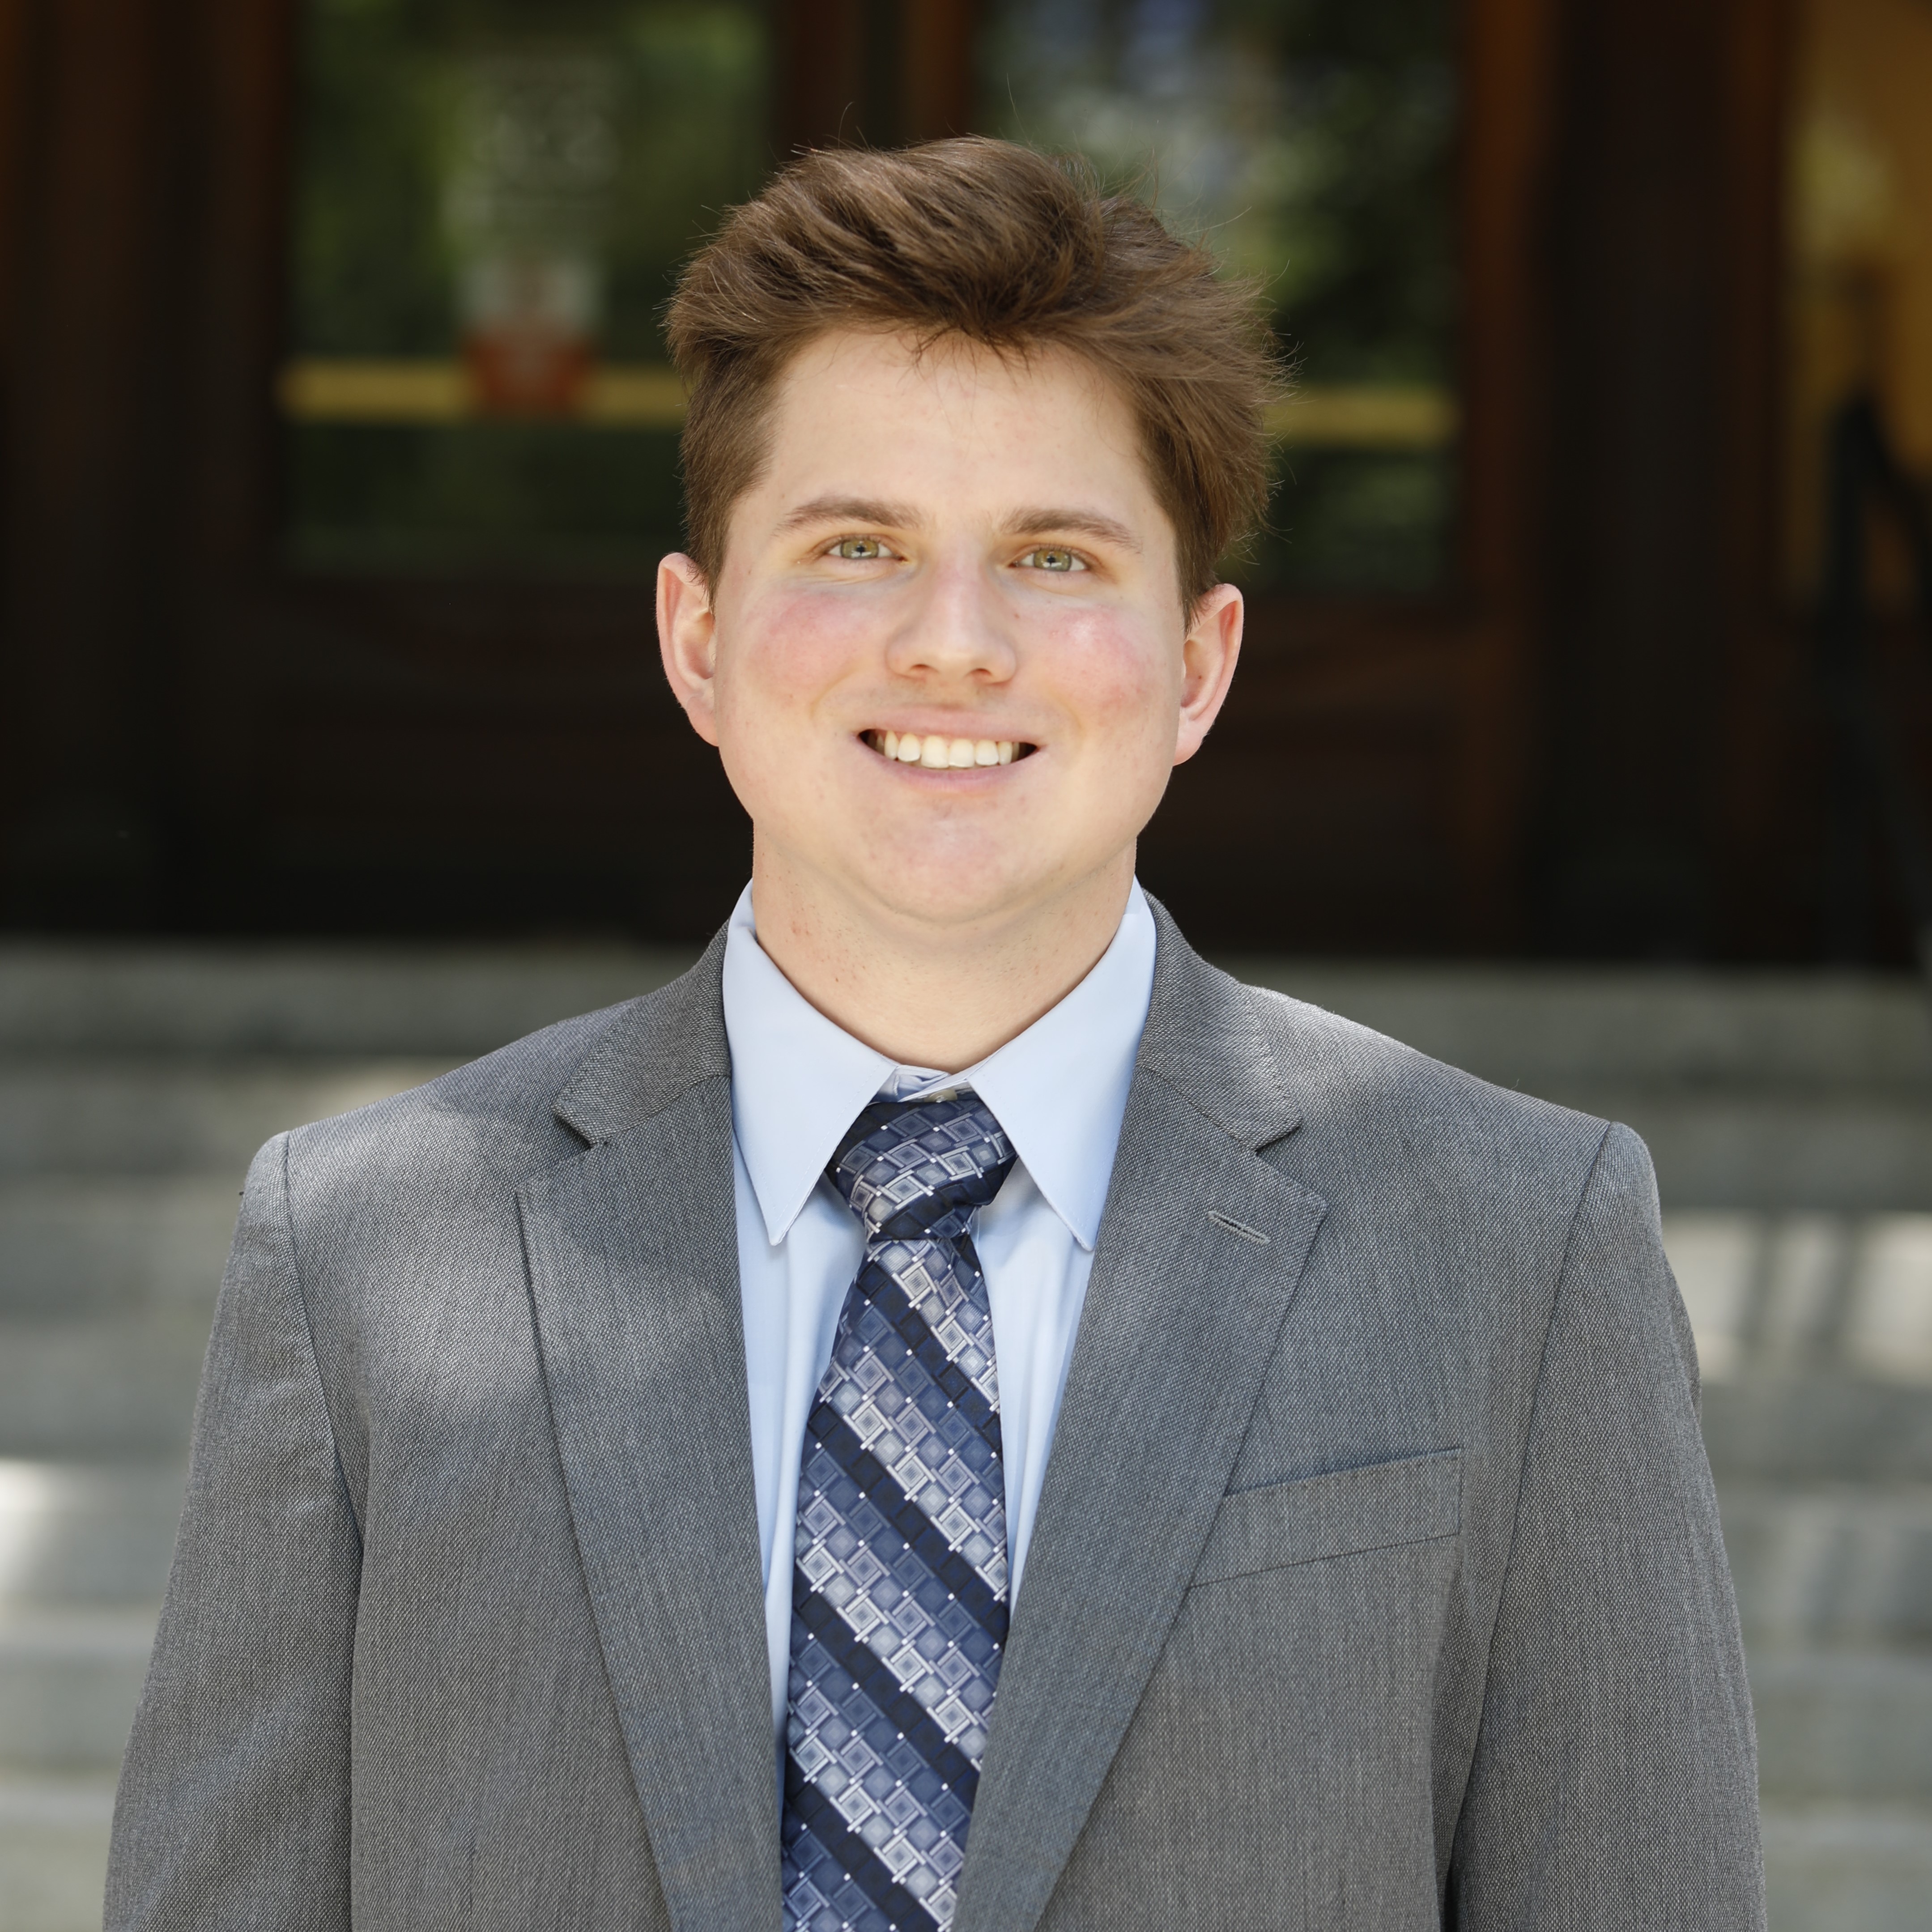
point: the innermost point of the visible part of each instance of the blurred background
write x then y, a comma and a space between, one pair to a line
1583, 735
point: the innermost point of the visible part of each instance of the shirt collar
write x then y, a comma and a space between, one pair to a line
1060, 1089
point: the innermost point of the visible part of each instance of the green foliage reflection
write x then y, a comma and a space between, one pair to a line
1309, 142
377, 260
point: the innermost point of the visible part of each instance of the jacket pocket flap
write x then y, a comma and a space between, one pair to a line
1336, 1515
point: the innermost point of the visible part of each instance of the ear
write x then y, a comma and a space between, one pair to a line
687, 641
1213, 643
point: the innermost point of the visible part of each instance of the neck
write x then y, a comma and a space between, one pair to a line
927, 994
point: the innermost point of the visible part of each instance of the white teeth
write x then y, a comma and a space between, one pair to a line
939, 755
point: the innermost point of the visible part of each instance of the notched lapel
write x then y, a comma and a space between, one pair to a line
633, 1271
1184, 1308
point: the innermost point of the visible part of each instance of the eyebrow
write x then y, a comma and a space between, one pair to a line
1026, 522
853, 510
1082, 523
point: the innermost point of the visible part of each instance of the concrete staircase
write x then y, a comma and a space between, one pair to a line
1791, 1121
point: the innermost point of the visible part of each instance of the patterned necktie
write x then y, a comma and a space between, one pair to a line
899, 1592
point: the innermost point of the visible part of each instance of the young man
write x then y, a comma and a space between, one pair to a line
954, 1413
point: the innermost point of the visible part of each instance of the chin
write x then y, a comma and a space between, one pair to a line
940, 892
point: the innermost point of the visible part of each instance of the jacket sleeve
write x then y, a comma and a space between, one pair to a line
233, 1807
1614, 1782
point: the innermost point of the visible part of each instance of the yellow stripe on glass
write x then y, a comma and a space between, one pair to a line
1365, 416
644, 396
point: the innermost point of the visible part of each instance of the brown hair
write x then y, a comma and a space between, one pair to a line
1007, 248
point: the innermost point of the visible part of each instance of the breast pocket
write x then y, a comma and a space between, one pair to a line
1381, 1507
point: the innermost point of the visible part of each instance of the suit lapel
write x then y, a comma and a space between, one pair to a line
1200, 1252
634, 1272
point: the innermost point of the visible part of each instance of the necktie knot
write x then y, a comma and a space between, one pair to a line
914, 1170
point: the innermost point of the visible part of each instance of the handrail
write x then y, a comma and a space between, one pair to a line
1870, 764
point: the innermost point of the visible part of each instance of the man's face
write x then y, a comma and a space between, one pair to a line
947, 662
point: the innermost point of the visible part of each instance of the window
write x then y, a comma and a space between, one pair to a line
1309, 142
1859, 296
491, 202
493, 199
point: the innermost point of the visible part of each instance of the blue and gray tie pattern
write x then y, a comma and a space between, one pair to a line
899, 1590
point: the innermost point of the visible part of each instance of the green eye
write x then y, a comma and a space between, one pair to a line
859, 549
1049, 556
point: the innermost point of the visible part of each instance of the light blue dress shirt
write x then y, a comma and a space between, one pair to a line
798, 1081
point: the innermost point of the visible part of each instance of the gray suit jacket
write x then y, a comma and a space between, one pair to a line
1376, 1582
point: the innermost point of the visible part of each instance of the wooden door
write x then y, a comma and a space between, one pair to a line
198, 736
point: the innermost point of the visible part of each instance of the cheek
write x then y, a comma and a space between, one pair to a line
1120, 682
783, 652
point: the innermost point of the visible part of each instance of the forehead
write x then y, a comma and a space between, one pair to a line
882, 414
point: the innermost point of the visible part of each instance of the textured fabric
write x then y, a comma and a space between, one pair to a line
899, 1604
1059, 1089
466, 1630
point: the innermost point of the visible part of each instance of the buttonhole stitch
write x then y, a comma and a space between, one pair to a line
1240, 1228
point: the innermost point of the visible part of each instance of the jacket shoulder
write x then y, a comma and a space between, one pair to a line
1349, 1081
493, 1123
1474, 1200
496, 1114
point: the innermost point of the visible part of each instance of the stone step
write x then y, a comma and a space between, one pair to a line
1845, 1743
1844, 1149
125, 1385
127, 1116
450, 1001
1836, 1725
1776, 1293
74, 1248
1522, 1025
1845, 1727
1851, 1151
1819, 1565
1818, 1428
53, 1852
1849, 1293
1833, 1564
121, 1386
1823, 1564
98, 1534
1847, 1868
69, 1679
1827, 1868
1576, 1027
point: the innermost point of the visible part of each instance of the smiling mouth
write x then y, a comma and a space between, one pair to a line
939, 753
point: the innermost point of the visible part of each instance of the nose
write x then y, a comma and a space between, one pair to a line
954, 629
